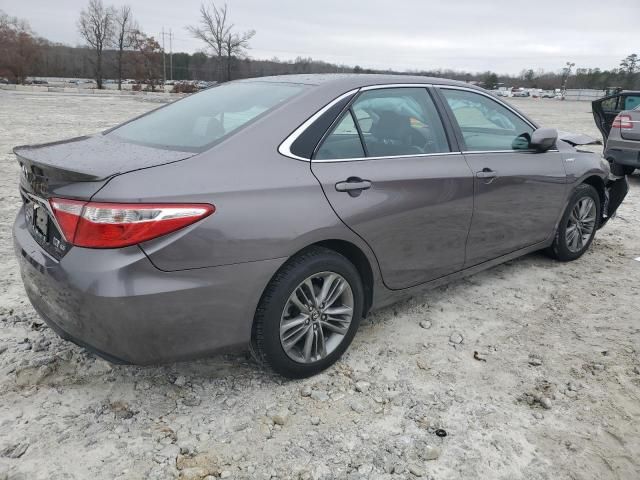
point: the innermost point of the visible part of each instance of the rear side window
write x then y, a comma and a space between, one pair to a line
486, 124
343, 142
631, 102
388, 122
197, 122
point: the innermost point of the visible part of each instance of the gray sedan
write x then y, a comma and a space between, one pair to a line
275, 213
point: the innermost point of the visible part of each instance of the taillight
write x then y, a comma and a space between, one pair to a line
622, 121
114, 225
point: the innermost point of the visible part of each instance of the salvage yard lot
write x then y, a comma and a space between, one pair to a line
553, 391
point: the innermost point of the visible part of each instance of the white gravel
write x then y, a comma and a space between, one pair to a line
552, 393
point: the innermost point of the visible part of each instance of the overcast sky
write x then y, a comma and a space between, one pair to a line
474, 35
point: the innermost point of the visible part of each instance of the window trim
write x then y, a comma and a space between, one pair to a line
285, 147
442, 107
454, 149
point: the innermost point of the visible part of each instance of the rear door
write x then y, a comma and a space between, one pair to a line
390, 173
518, 193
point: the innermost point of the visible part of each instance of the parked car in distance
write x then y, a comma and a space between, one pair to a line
276, 212
618, 119
79, 81
202, 85
521, 93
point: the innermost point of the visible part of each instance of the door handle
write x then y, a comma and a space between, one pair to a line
486, 173
353, 186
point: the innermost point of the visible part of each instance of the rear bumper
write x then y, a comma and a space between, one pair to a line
623, 156
116, 303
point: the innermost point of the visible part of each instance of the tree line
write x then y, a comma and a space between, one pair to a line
117, 48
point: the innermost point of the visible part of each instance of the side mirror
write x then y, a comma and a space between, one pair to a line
543, 139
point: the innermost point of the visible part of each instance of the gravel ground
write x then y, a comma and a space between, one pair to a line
553, 392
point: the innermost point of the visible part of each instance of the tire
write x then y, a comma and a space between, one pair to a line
566, 245
278, 308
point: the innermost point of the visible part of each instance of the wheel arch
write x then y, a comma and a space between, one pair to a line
355, 255
598, 183
359, 259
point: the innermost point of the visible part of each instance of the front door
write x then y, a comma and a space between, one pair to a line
389, 173
519, 194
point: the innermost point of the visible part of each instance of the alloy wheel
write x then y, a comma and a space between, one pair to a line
316, 317
581, 224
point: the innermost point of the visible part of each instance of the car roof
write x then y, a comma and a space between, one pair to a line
349, 81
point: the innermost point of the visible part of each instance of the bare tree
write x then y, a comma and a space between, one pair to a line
124, 37
216, 31
96, 25
235, 45
19, 48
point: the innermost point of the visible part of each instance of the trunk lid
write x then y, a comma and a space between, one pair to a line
76, 169
79, 167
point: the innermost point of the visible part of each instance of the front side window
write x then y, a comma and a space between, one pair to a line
487, 125
198, 121
391, 122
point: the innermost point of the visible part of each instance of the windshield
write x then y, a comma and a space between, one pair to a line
198, 121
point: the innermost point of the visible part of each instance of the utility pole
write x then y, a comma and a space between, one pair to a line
164, 61
170, 55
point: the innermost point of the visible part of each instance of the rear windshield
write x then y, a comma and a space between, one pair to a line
198, 121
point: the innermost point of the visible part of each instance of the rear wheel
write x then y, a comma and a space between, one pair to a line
578, 225
308, 314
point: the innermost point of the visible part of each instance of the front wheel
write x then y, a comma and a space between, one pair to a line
308, 314
578, 225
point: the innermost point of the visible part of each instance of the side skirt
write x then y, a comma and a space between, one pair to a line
389, 297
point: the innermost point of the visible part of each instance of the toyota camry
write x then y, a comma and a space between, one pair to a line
274, 213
